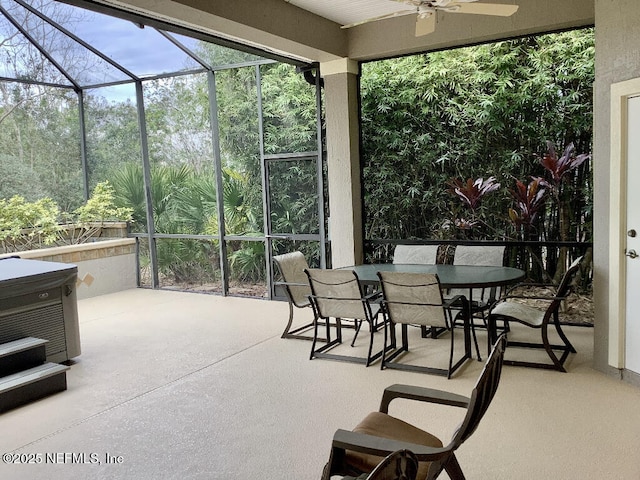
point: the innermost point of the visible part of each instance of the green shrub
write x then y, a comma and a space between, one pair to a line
31, 225
25, 224
101, 207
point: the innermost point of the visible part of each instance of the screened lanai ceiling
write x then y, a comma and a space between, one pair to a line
345, 12
50, 43
354, 12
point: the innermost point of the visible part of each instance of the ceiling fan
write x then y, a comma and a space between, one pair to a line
426, 12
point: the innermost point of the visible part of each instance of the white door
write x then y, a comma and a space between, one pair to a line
632, 333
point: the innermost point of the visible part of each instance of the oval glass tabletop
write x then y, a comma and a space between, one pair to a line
458, 276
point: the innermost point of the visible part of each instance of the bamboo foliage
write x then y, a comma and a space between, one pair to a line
473, 113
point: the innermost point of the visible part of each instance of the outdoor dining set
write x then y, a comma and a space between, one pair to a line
433, 299
475, 291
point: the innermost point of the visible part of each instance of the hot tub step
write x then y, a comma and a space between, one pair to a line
21, 354
32, 384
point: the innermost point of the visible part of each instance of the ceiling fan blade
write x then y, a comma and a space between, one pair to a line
425, 24
418, 3
497, 9
380, 17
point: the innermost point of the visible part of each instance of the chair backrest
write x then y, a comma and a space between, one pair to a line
484, 255
292, 266
413, 298
416, 254
488, 255
565, 285
482, 394
337, 294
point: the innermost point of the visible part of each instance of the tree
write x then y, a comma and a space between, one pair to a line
473, 112
40, 124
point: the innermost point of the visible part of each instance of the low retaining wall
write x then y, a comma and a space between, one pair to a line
105, 266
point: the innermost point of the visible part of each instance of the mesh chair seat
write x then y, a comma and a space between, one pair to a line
525, 314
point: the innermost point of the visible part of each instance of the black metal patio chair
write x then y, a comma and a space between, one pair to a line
296, 286
338, 294
359, 451
511, 310
416, 299
481, 299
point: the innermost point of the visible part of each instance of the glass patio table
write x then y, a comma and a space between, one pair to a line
450, 276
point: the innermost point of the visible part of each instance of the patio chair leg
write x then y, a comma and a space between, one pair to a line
393, 333
286, 329
405, 337
453, 469
369, 359
327, 326
547, 346
475, 339
355, 336
562, 336
473, 334
451, 355
315, 338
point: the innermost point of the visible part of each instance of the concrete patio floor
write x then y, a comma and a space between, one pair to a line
177, 385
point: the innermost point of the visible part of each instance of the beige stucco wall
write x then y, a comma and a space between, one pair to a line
103, 267
617, 59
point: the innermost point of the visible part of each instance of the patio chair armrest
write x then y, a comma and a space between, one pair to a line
379, 446
528, 285
456, 301
421, 394
534, 284
518, 285
549, 298
292, 284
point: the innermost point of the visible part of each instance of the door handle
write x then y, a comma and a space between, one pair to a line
631, 254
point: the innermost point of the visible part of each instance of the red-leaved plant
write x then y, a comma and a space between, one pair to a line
472, 191
528, 202
558, 167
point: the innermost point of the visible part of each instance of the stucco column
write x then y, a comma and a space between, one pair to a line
343, 161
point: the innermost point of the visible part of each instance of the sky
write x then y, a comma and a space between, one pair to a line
142, 51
